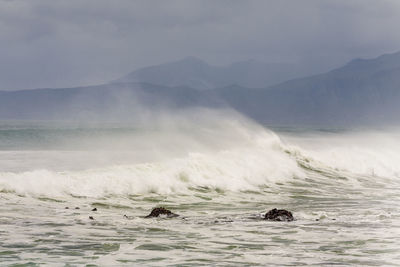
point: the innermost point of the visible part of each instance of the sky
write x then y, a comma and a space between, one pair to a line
47, 43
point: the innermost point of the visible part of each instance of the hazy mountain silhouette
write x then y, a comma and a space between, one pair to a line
197, 74
119, 101
364, 91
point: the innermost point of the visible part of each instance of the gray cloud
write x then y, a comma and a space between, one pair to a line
47, 43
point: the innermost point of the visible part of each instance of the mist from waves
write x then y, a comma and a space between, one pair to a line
218, 151
221, 172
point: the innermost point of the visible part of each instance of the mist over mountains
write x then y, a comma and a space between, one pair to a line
197, 74
109, 102
362, 92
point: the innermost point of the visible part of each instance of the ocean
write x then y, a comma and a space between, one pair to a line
221, 176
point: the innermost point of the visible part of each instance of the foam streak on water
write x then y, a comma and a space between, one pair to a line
342, 187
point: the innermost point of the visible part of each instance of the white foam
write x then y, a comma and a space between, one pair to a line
260, 162
203, 150
364, 153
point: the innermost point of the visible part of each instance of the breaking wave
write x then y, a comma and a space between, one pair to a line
266, 161
242, 168
211, 150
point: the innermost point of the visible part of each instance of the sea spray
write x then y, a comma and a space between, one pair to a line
261, 163
368, 152
221, 177
228, 154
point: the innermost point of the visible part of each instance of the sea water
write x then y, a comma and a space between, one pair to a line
342, 186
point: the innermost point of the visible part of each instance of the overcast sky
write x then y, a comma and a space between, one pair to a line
47, 43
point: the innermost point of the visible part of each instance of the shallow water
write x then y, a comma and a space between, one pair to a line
342, 187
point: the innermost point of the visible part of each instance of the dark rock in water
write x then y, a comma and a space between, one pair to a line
279, 215
66, 208
95, 209
157, 212
91, 217
77, 208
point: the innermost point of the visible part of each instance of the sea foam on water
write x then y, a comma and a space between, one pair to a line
221, 176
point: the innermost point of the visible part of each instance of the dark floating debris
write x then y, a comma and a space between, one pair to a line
94, 209
91, 217
77, 208
223, 221
279, 215
66, 208
157, 212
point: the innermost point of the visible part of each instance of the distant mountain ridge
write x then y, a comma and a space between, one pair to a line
121, 101
195, 73
362, 92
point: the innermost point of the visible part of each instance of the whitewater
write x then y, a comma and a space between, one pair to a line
221, 175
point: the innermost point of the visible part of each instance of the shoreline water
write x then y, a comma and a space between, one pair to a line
342, 188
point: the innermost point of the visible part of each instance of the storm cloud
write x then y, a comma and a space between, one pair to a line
46, 43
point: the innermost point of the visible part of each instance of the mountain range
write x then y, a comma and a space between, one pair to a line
364, 91
197, 74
